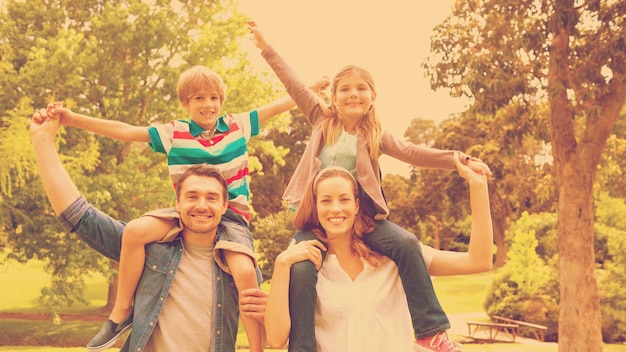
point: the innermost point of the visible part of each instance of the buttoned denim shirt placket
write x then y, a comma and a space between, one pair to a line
103, 234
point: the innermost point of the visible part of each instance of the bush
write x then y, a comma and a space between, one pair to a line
526, 288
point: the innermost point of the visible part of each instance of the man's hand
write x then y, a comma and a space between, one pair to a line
42, 126
252, 303
57, 111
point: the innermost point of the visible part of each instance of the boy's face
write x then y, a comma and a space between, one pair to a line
204, 107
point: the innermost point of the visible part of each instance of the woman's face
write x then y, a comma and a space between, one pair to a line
353, 97
336, 206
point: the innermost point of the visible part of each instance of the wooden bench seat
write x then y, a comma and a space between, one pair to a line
492, 328
536, 330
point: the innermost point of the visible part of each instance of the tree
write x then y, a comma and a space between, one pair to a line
499, 52
116, 60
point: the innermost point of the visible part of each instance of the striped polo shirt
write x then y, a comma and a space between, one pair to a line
183, 143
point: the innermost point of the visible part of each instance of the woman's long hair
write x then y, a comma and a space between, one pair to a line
307, 218
369, 126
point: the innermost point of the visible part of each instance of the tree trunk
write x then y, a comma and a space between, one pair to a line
499, 228
437, 232
579, 318
112, 294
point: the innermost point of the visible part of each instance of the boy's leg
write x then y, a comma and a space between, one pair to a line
137, 234
302, 300
404, 249
242, 267
236, 245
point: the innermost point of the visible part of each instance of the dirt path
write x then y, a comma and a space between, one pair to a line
44, 317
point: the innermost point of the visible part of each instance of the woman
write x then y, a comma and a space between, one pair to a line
361, 302
348, 133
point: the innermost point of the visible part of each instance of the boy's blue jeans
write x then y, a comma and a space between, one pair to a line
396, 243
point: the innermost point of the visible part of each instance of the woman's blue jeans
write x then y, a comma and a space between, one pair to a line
394, 242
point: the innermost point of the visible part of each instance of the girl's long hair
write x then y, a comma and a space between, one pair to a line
307, 218
369, 126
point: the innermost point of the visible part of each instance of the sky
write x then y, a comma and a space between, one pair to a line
391, 39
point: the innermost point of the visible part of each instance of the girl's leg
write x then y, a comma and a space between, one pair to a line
404, 249
302, 300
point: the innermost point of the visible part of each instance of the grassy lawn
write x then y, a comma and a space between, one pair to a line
457, 294
462, 294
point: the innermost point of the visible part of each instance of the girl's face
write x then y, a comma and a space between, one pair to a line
353, 97
336, 206
204, 107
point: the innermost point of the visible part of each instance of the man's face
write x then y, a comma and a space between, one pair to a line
201, 204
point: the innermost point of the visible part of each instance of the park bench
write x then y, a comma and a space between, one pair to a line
492, 328
536, 330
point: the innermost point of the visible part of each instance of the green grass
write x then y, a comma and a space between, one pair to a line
462, 294
22, 283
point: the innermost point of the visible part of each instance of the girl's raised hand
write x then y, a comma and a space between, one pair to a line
256, 36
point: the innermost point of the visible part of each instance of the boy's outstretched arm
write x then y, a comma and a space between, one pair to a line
108, 128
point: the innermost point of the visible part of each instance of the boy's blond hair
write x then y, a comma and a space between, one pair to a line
198, 78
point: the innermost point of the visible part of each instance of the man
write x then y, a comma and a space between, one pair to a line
184, 300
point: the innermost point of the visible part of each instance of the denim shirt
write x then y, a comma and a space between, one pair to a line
104, 234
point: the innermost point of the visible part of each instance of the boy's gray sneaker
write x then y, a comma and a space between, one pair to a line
109, 333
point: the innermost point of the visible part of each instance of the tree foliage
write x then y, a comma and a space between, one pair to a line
526, 288
273, 234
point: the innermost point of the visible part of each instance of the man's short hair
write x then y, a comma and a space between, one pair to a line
206, 170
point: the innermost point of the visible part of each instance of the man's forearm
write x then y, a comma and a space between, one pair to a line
57, 183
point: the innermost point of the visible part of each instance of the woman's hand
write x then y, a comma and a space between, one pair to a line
301, 251
474, 171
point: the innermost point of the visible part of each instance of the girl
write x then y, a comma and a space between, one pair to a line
379, 319
348, 133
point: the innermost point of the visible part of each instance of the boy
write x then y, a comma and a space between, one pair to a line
208, 137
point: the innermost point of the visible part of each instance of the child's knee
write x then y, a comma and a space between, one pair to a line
135, 233
303, 269
407, 240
